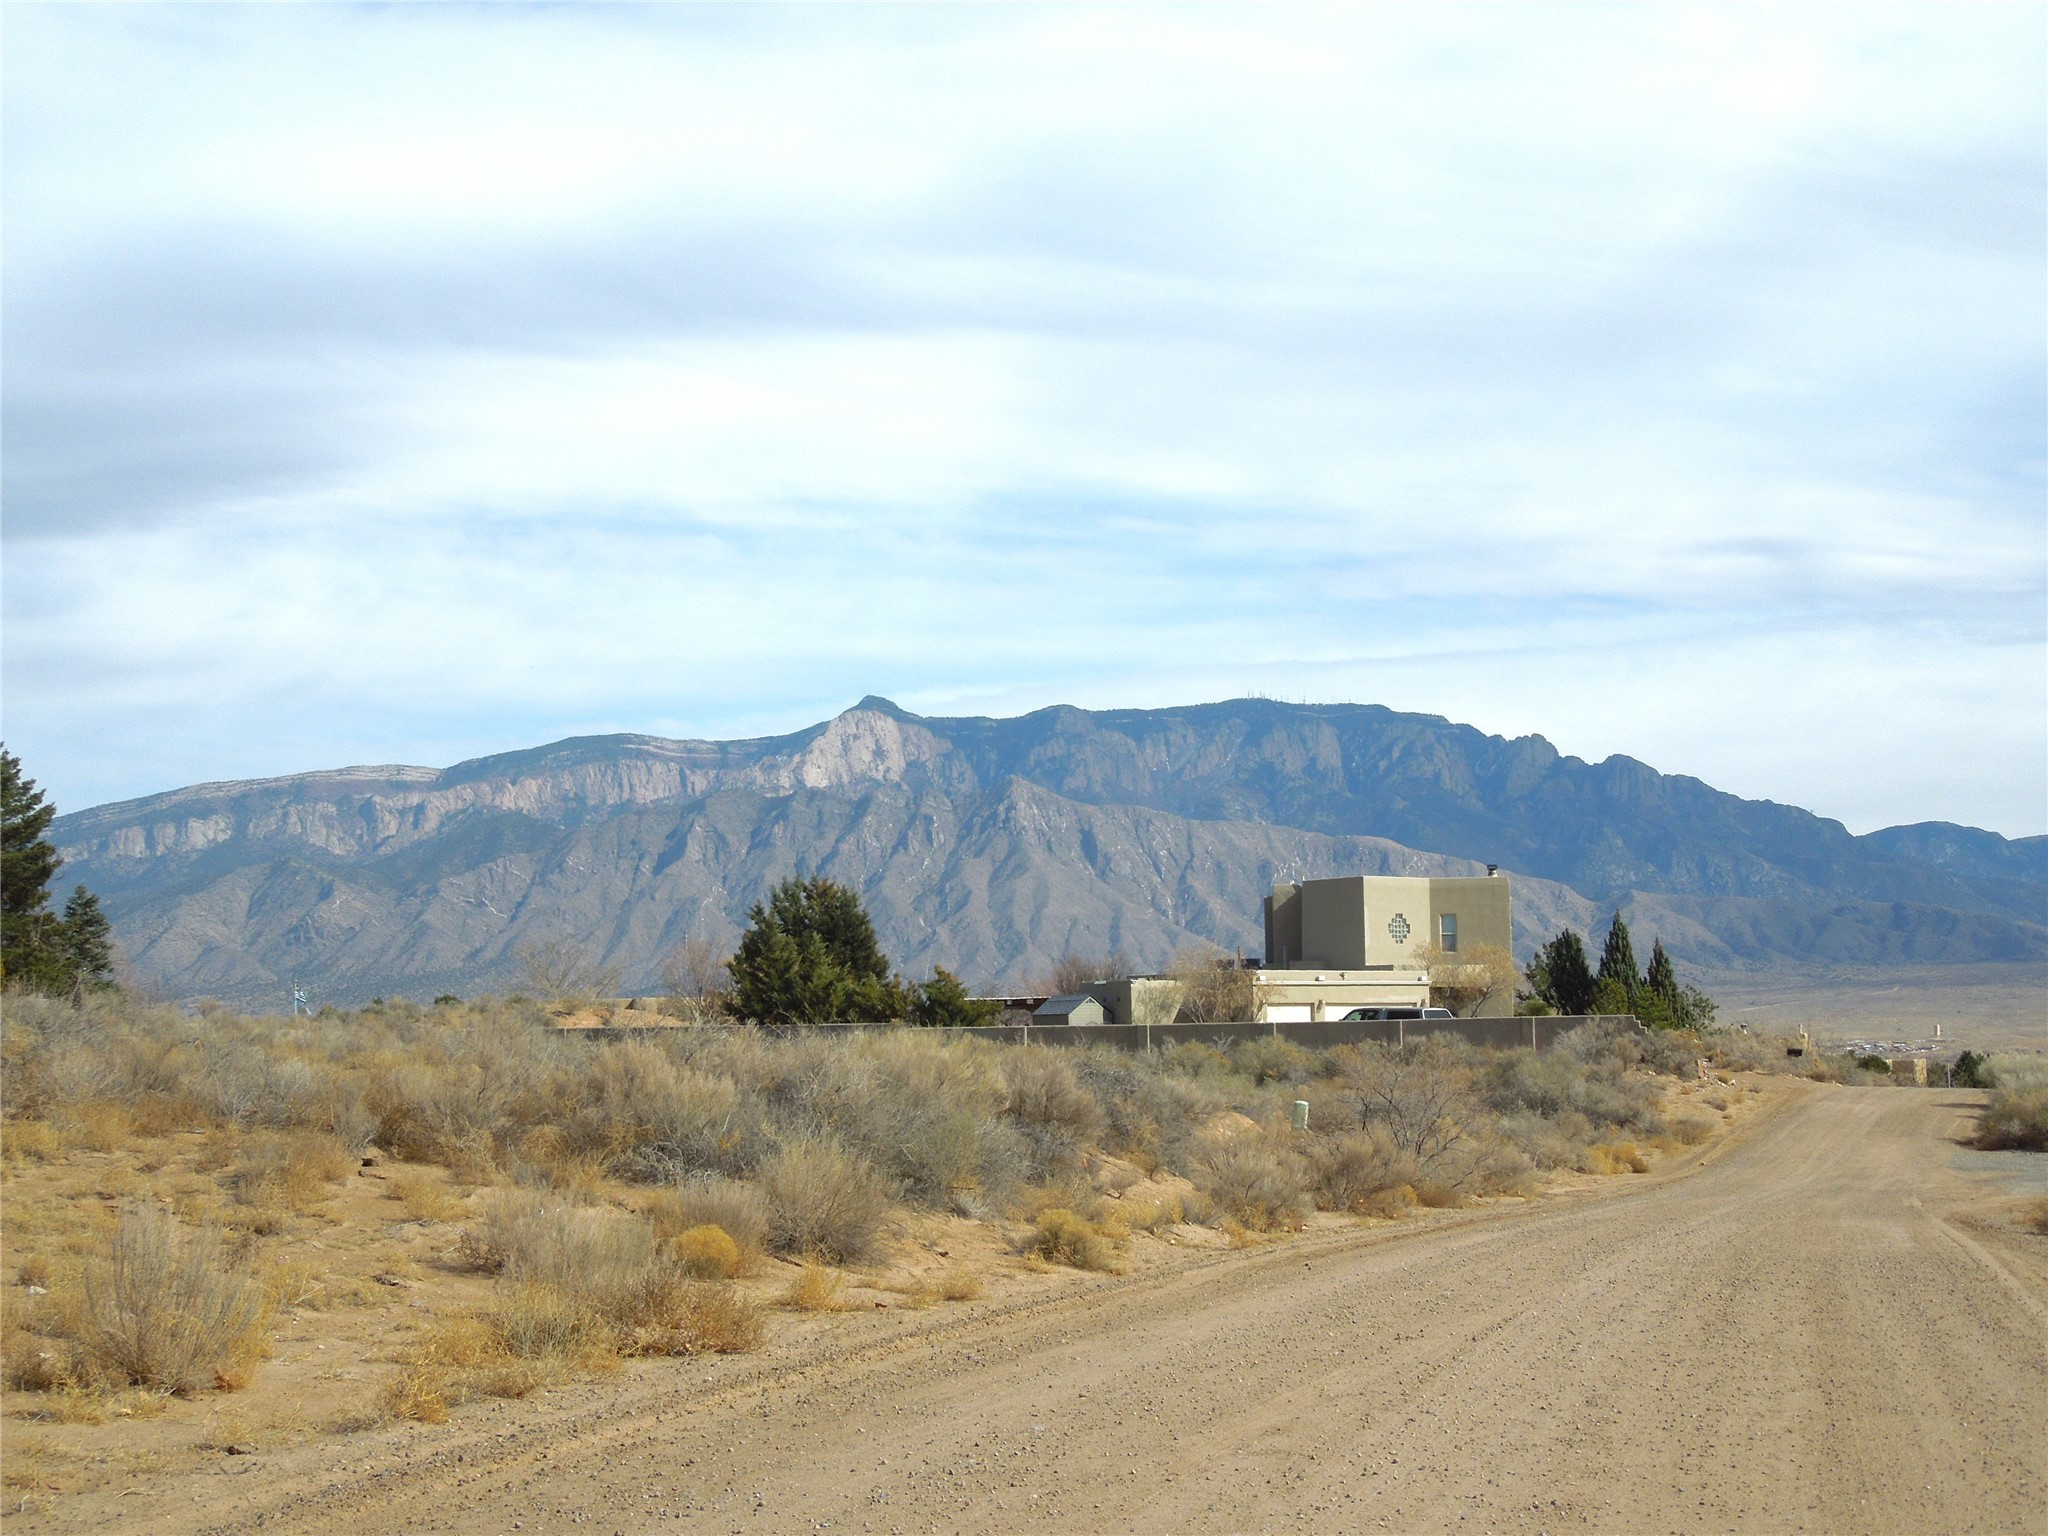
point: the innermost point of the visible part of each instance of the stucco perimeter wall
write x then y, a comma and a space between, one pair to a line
1490, 1034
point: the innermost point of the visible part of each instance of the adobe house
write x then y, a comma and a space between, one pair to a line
1357, 936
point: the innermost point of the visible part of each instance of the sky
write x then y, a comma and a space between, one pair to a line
403, 384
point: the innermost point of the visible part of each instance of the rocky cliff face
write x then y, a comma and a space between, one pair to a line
993, 847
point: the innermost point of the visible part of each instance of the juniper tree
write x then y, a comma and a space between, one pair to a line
1618, 960
85, 944
810, 956
943, 1003
1561, 975
28, 862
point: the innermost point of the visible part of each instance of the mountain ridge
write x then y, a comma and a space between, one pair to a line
208, 884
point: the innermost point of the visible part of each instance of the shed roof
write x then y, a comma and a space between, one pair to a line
1066, 1005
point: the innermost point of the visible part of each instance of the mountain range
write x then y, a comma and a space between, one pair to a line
995, 846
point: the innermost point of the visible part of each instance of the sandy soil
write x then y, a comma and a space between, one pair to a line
1823, 1324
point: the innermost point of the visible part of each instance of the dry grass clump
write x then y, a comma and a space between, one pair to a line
425, 1196
823, 1201
1691, 1130
1059, 1236
2015, 1119
1617, 1157
1153, 1216
738, 1210
584, 1288
815, 1288
160, 1307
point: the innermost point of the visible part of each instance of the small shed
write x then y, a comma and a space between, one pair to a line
1078, 1009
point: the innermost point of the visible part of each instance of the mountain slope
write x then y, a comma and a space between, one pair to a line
992, 846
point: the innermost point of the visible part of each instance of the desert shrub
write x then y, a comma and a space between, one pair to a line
823, 1201
2034, 1216
160, 1307
1062, 1237
2015, 1118
706, 1319
1421, 1094
2014, 1071
1192, 1058
1257, 1181
706, 1253
1603, 1088
1151, 1215
1046, 1095
1352, 1169
1692, 1130
736, 1209
1150, 1116
288, 1169
424, 1196
1269, 1059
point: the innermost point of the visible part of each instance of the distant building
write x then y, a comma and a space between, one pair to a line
1077, 1009
1357, 937
1311, 997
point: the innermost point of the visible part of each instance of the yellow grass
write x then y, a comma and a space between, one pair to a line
1619, 1157
425, 1196
815, 1289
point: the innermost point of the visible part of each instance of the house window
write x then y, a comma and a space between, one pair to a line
1447, 930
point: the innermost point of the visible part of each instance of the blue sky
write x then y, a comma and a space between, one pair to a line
404, 384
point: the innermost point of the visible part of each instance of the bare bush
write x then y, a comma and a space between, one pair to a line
160, 1307
696, 982
1256, 1180
1073, 973
1420, 1093
560, 970
1215, 987
824, 1202
1354, 1169
1467, 980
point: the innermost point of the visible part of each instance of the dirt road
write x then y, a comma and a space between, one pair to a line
1790, 1338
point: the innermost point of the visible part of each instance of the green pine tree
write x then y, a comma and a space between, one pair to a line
810, 956
1661, 981
1561, 975
943, 1003
1618, 961
85, 939
29, 951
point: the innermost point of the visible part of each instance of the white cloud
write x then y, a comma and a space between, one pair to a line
411, 383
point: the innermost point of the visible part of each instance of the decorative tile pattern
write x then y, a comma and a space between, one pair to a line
1399, 929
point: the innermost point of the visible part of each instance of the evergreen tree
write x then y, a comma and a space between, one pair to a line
29, 954
1561, 975
1618, 960
85, 941
1662, 980
943, 1003
810, 956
